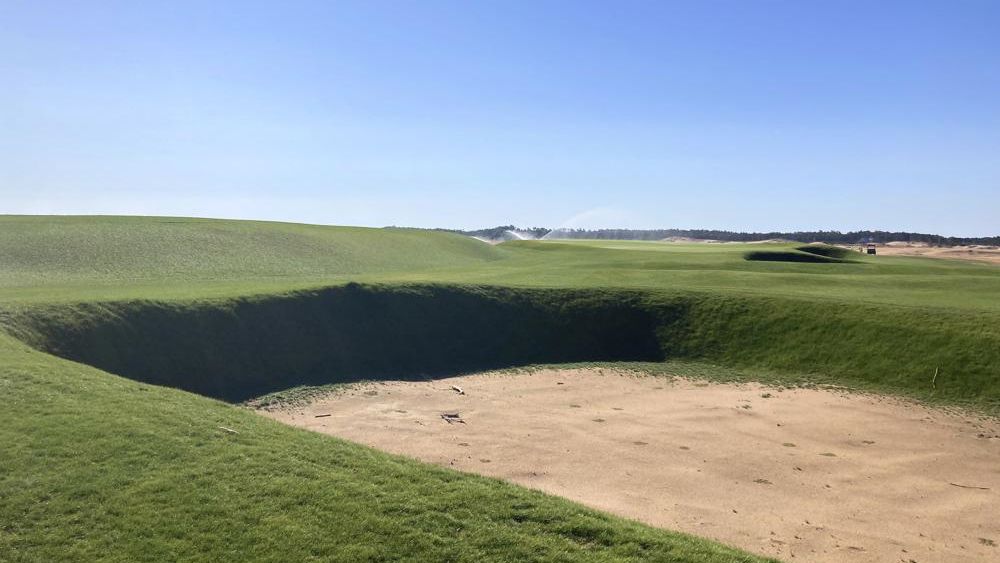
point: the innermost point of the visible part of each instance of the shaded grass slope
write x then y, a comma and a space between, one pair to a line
829, 251
239, 348
810, 253
787, 256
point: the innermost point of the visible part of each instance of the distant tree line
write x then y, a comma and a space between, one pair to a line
833, 237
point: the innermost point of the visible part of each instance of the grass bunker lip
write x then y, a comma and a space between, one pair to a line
245, 348
237, 349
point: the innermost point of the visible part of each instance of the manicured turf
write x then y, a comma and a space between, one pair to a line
46, 259
69, 258
95, 466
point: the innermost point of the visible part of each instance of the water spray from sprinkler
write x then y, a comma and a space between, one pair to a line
603, 214
519, 236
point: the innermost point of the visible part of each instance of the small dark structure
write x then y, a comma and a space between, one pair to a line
870, 249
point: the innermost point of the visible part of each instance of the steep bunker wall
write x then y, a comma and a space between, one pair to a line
236, 349
810, 253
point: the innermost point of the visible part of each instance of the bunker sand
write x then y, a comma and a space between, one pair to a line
817, 475
989, 254
975, 252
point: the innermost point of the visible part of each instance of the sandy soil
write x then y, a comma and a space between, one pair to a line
814, 475
980, 253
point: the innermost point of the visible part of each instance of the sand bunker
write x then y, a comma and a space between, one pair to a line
812, 474
980, 253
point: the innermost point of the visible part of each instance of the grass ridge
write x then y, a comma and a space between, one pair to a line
238, 348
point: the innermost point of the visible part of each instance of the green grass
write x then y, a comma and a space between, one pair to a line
54, 258
720, 269
76, 264
95, 466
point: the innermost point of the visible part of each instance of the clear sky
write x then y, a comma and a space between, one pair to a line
744, 115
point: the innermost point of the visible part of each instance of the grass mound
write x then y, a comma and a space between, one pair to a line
810, 253
828, 250
92, 250
788, 256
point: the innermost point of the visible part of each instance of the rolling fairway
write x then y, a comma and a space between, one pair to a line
48, 259
97, 466
64, 258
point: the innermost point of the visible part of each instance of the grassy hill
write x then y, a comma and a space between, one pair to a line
67, 257
97, 466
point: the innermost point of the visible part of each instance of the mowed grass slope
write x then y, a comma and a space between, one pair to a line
47, 259
67, 258
721, 269
99, 467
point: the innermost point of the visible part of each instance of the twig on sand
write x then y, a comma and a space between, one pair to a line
321, 415
457, 389
452, 417
228, 430
969, 487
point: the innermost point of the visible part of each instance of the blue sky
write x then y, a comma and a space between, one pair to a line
744, 115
